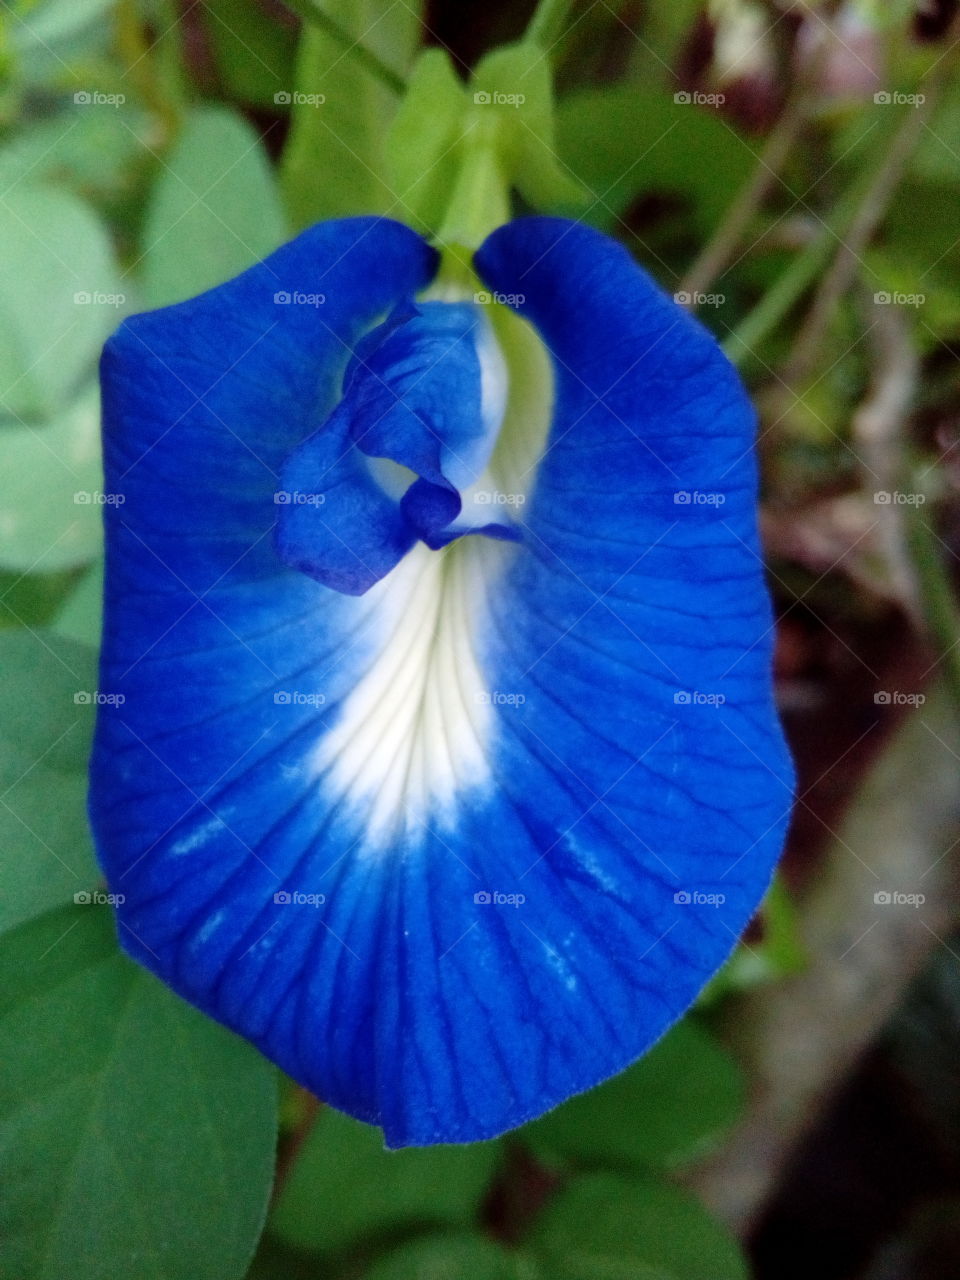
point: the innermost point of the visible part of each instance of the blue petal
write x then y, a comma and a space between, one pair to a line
469, 843
336, 522
418, 394
413, 397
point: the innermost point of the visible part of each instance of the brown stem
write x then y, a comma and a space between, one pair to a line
291, 1143
877, 433
800, 1038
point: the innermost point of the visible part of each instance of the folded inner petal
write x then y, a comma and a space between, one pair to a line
349, 533
424, 402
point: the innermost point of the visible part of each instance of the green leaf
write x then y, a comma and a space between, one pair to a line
45, 851
32, 600
668, 1108
590, 1266
52, 508
56, 263
936, 158
214, 210
778, 953
345, 1185
920, 227
658, 45
80, 616
453, 1257
885, 15
254, 49
136, 1135
603, 1227
95, 150
628, 140
49, 38
334, 164
53, 21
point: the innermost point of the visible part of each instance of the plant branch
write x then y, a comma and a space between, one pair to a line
292, 1143
877, 431
800, 1038
311, 11
937, 597
722, 245
843, 270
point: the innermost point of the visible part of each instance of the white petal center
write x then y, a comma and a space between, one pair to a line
414, 734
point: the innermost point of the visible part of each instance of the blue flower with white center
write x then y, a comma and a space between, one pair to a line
447, 769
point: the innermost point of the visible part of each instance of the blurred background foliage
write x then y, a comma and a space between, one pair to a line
791, 171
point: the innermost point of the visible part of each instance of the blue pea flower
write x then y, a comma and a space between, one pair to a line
446, 769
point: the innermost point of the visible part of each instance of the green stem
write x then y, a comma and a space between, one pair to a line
869, 215
857, 210
548, 23
741, 345
480, 198
722, 245
310, 11
155, 70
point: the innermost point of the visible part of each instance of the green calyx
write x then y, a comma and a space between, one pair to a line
456, 151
